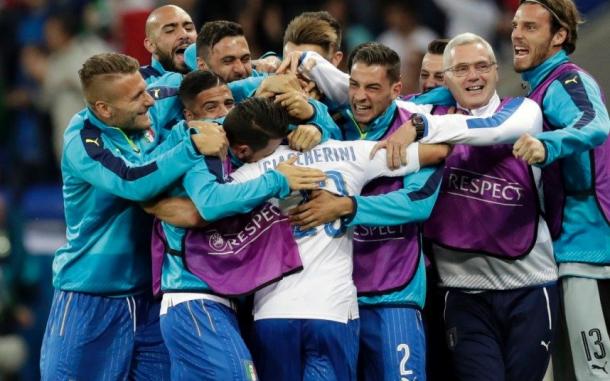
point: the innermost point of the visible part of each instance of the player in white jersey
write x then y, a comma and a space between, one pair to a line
306, 324
473, 271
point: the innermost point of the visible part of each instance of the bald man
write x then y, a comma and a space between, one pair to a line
169, 31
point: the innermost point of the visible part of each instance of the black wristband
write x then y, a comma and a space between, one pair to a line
419, 123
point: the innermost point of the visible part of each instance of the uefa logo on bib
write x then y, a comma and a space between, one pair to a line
217, 242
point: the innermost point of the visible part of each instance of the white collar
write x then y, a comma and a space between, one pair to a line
487, 110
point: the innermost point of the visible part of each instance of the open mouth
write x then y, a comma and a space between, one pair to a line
477, 88
179, 51
521, 52
361, 108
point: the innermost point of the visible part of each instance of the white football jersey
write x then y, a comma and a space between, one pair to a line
324, 289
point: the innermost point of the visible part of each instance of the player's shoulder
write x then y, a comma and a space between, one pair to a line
281, 153
574, 84
76, 123
282, 150
356, 150
348, 143
521, 101
78, 129
165, 86
342, 143
574, 88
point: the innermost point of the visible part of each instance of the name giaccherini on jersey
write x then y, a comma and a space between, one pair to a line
316, 155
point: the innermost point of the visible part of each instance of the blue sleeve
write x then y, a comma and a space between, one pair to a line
256, 73
322, 119
245, 88
167, 110
573, 105
412, 203
88, 158
333, 107
439, 96
174, 135
214, 200
190, 57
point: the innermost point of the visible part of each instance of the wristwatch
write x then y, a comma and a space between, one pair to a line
419, 122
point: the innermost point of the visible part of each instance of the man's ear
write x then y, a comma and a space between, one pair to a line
396, 89
336, 58
149, 45
201, 65
560, 37
188, 115
102, 109
242, 151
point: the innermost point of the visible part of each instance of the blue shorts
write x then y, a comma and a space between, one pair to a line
99, 338
306, 349
204, 342
501, 335
392, 344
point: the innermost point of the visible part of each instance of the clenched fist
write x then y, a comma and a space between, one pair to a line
529, 149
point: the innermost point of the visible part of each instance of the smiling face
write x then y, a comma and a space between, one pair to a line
475, 88
169, 31
370, 91
125, 102
533, 41
212, 103
230, 59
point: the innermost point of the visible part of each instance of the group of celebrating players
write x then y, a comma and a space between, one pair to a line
304, 216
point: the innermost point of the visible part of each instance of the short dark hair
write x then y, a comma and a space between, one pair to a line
564, 14
374, 53
255, 121
107, 65
195, 82
213, 31
437, 46
315, 28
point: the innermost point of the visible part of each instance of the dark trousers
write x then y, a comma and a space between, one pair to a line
501, 335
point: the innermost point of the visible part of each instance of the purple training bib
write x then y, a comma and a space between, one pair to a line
488, 203
554, 189
236, 255
385, 257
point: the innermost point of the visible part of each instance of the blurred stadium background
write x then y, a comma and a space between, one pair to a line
44, 42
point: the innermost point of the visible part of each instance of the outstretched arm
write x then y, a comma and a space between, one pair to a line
177, 211
574, 106
214, 200
412, 203
519, 116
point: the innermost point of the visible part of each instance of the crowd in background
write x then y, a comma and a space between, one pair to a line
45, 42
39, 89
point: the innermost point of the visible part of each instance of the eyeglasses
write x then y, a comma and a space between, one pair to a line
461, 70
